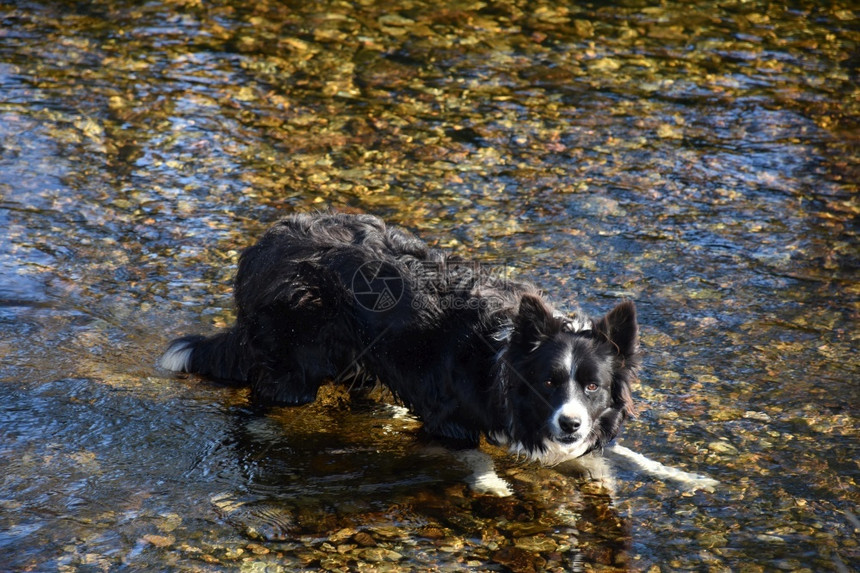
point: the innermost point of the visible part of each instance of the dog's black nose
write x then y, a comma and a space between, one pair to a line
568, 425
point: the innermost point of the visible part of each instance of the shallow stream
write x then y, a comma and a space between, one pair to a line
697, 158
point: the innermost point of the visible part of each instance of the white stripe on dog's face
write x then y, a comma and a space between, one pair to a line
572, 411
570, 423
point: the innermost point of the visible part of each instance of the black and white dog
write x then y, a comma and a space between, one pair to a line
347, 298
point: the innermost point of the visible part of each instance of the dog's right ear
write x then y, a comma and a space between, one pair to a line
534, 323
621, 329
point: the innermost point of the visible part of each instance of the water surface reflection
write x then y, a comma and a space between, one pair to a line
700, 160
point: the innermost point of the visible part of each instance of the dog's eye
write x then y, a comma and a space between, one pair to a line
591, 387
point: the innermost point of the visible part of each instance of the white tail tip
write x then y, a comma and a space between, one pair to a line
177, 356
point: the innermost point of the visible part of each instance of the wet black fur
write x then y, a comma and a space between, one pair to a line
466, 353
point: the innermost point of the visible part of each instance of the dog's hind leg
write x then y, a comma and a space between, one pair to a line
288, 389
291, 377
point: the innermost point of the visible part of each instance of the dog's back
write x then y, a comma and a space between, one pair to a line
322, 296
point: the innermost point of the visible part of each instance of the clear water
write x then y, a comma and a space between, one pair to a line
700, 160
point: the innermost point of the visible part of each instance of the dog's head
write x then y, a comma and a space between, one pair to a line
569, 380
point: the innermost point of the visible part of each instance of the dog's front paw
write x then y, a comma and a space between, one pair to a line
686, 480
490, 484
484, 479
694, 482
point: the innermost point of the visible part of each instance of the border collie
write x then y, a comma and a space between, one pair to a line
330, 296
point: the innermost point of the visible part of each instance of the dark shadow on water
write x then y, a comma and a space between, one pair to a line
361, 476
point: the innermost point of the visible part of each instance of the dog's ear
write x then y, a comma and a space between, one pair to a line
620, 328
534, 323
